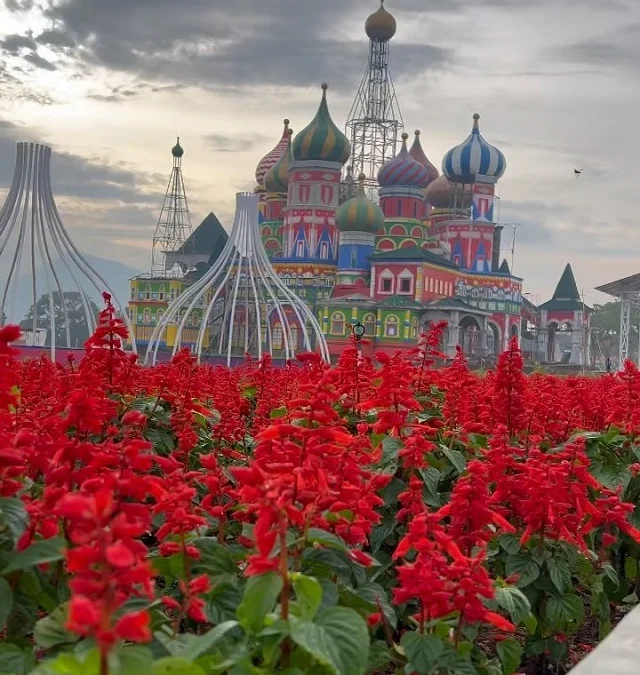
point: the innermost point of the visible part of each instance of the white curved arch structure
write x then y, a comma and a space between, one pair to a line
35, 243
240, 305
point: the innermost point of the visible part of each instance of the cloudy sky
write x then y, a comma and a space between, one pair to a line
110, 83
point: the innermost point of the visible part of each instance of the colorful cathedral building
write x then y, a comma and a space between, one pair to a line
426, 250
429, 251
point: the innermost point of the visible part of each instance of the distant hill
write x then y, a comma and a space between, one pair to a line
115, 273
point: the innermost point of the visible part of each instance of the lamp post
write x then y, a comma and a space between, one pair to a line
358, 331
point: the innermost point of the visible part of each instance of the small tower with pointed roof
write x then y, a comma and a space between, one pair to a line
310, 235
402, 182
276, 188
470, 171
566, 322
358, 219
174, 224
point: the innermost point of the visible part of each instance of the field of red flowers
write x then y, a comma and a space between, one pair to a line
368, 517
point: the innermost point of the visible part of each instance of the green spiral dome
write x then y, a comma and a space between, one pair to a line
359, 214
321, 140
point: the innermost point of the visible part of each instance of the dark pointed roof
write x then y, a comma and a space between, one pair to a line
204, 237
504, 267
412, 254
566, 296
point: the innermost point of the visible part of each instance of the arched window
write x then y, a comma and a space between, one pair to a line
369, 325
294, 337
391, 326
276, 336
161, 293
337, 323
160, 315
414, 327
147, 316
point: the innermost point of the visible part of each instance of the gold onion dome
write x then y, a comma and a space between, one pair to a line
276, 180
418, 154
273, 156
381, 25
177, 150
360, 214
443, 194
321, 140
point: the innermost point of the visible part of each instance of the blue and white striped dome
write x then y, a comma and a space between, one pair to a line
473, 157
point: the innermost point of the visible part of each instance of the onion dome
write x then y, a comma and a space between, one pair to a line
474, 156
443, 194
380, 26
177, 150
277, 178
272, 157
403, 170
418, 154
321, 140
359, 214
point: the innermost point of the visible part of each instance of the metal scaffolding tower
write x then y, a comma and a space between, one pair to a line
627, 291
174, 225
375, 123
38, 256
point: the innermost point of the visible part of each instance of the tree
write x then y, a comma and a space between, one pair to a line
78, 328
605, 326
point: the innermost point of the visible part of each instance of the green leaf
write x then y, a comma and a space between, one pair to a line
611, 475
50, 631
259, 598
203, 643
173, 665
630, 568
455, 457
422, 651
130, 660
13, 516
390, 447
560, 574
510, 653
379, 657
308, 594
317, 536
564, 609
526, 569
338, 639
611, 574
215, 560
40, 552
277, 413
510, 543
14, 660
6, 602
513, 601
431, 478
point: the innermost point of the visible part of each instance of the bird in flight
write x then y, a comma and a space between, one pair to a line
577, 172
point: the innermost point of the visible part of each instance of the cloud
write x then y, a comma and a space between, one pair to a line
217, 43
12, 44
122, 93
614, 49
19, 5
224, 143
55, 39
38, 61
80, 178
